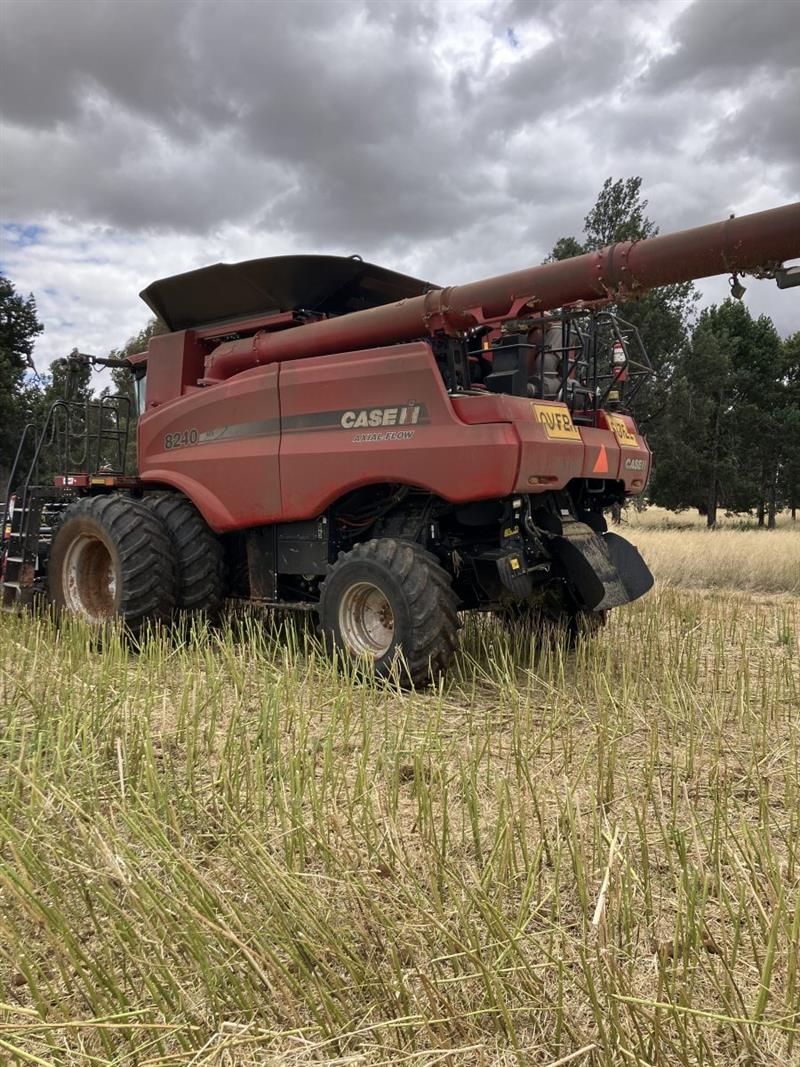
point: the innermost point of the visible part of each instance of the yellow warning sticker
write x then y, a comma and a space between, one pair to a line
625, 438
557, 421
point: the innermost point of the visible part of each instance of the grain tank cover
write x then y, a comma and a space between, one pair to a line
334, 285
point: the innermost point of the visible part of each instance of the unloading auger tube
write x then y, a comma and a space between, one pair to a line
759, 243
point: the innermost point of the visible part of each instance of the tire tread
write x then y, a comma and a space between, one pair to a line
145, 553
432, 602
201, 571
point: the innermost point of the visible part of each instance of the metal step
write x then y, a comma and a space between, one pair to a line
20, 588
21, 533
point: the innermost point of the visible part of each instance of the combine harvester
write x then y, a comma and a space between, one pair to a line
319, 434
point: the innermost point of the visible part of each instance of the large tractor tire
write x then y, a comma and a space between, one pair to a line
111, 558
198, 552
390, 601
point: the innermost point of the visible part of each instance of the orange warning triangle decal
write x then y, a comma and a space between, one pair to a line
601, 465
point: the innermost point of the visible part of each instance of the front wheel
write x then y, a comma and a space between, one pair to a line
111, 558
390, 601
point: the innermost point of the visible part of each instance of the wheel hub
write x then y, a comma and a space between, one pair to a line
366, 620
89, 579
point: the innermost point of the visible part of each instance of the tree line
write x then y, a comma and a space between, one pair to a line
721, 414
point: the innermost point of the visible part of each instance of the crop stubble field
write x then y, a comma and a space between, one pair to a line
224, 850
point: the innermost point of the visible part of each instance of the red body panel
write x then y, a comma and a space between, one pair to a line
546, 463
175, 362
438, 452
282, 442
220, 447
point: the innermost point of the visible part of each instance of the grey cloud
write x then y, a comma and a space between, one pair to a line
720, 44
297, 100
54, 55
123, 174
176, 62
581, 66
407, 20
766, 128
519, 12
373, 127
654, 127
373, 197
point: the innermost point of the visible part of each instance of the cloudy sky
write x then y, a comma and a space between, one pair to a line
450, 140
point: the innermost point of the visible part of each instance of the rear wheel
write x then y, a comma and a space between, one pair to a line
111, 558
198, 552
391, 602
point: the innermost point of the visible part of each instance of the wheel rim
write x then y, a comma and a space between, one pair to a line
90, 579
366, 620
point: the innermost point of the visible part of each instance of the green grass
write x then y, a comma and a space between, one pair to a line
225, 850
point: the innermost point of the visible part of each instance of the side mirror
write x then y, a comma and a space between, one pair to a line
787, 277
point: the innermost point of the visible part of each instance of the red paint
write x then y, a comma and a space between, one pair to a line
235, 482
464, 448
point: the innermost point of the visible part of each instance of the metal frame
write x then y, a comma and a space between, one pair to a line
79, 434
586, 385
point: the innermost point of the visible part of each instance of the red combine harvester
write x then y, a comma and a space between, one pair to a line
323, 435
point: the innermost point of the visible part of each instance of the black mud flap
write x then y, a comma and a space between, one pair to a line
634, 573
605, 571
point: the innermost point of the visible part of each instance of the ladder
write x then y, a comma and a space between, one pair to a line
79, 440
27, 535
